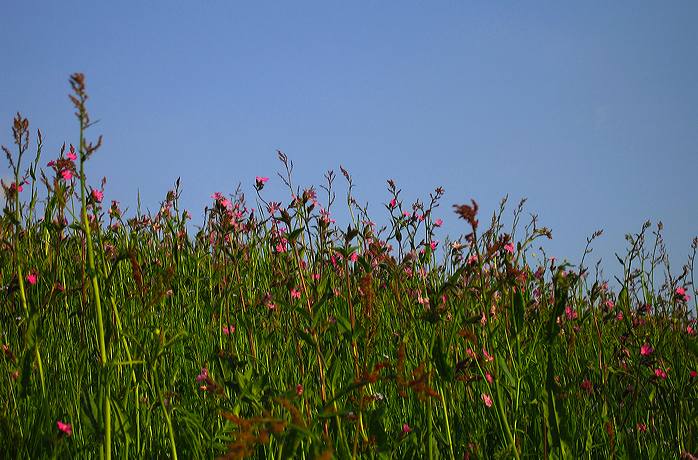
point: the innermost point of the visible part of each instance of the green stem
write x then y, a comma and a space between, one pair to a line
448, 426
95, 286
167, 417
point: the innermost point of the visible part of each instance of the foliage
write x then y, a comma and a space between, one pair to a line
273, 333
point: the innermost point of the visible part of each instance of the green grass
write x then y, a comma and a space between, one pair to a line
346, 343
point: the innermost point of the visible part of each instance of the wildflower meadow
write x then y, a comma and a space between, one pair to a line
272, 331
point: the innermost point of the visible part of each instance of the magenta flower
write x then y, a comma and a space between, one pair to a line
681, 294
97, 195
354, 257
203, 376
570, 313
406, 428
66, 428
489, 378
260, 181
661, 373
66, 174
393, 203
71, 154
229, 329
509, 247
295, 294
487, 399
646, 350
489, 358
299, 389
32, 278
438, 223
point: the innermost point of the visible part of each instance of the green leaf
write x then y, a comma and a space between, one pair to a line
511, 381
307, 338
293, 236
441, 359
518, 311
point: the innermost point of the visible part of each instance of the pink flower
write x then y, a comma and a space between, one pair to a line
619, 316
260, 181
570, 313
229, 329
393, 203
661, 373
354, 257
610, 304
690, 330
646, 350
489, 358
681, 294
67, 174
433, 245
66, 428
406, 428
641, 427
114, 210
97, 195
509, 247
295, 294
299, 389
203, 376
693, 374
71, 156
472, 260
32, 278
470, 353
438, 223
489, 378
487, 399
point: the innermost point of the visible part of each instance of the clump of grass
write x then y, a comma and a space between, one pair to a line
274, 333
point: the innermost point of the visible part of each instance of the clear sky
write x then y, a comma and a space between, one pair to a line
589, 109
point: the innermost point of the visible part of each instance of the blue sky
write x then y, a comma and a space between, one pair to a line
589, 109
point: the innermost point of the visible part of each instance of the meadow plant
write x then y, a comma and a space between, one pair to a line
272, 332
